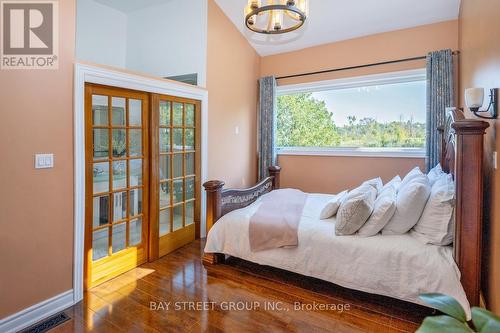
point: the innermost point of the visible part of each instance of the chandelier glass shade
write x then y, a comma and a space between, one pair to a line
274, 17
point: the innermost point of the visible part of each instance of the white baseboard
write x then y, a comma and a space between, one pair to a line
36, 313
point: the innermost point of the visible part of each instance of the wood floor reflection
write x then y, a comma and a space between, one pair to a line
210, 301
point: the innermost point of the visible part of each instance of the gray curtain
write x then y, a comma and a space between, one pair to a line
266, 124
440, 95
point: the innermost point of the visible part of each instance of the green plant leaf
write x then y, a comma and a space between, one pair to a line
443, 324
485, 321
446, 304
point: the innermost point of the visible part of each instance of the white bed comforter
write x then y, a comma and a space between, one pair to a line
396, 266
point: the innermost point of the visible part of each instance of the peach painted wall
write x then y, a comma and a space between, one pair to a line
326, 174
332, 174
479, 29
233, 69
36, 237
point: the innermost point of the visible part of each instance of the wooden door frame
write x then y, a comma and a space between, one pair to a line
89, 73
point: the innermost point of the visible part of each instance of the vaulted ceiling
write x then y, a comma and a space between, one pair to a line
335, 20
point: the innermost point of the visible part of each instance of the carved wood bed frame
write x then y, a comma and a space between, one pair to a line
461, 155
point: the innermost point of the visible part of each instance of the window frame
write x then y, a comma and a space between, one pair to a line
405, 76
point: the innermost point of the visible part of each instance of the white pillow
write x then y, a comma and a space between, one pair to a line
410, 203
362, 189
394, 182
415, 172
354, 212
436, 224
435, 173
332, 206
384, 209
375, 182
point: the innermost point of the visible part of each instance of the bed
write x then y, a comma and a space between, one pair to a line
397, 266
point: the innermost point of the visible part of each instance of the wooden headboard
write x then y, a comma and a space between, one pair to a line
462, 156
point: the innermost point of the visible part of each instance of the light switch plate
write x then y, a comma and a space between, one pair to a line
495, 160
44, 161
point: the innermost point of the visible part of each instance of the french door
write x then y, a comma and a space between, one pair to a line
117, 182
142, 178
176, 188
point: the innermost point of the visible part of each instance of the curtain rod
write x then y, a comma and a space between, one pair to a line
356, 67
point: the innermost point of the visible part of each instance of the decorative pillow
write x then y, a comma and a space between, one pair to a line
354, 211
394, 182
414, 173
332, 206
362, 189
375, 182
435, 226
384, 209
410, 203
435, 173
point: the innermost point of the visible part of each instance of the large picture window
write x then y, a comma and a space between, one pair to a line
381, 112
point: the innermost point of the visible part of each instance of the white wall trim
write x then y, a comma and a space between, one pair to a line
355, 81
116, 78
354, 152
36, 313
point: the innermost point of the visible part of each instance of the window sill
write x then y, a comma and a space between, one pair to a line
354, 152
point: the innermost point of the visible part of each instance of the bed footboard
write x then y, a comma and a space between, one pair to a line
221, 201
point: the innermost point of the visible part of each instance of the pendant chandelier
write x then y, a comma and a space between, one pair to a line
274, 17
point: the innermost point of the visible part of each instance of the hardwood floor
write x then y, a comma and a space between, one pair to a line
131, 302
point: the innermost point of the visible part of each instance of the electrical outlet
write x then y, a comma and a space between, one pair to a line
237, 130
44, 161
